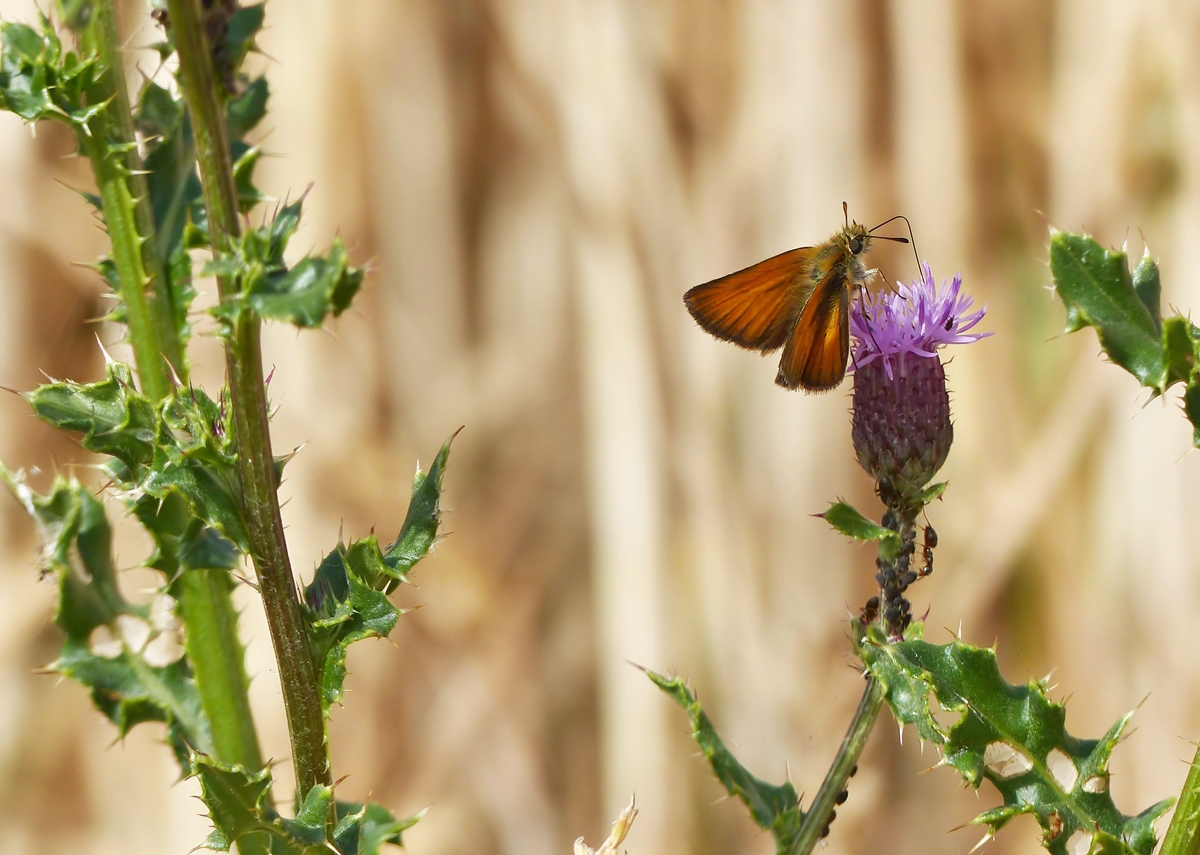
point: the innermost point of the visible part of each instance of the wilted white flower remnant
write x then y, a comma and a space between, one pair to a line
615, 837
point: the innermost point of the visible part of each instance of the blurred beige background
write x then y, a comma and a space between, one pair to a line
535, 183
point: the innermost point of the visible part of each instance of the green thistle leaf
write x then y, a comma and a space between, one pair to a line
364, 829
852, 523
347, 598
304, 294
1096, 287
108, 639
1098, 290
114, 418
239, 804
246, 109
774, 808
1148, 287
424, 515
186, 447
1013, 736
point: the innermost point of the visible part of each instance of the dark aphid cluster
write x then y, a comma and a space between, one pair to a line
895, 575
841, 800
217, 15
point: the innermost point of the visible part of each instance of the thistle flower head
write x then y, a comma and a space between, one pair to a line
901, 415
917, 318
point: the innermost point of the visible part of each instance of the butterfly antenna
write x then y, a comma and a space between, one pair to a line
911, 239
846, 214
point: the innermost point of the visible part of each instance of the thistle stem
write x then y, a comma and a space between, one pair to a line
1182, 836
106, 34
243, 359
118, 209
819, 813
205, 606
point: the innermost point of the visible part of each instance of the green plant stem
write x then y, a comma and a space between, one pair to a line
205, 606
218, 660
1182, 837
107, 43
256, 465
127, 255
844, 763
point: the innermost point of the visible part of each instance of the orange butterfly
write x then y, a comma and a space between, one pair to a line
798, 300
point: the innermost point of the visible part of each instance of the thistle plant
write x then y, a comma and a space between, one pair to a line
175, 178
1013, 736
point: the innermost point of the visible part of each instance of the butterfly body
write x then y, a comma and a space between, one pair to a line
798, 300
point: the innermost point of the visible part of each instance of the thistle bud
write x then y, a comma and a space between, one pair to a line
901, 424
901, 412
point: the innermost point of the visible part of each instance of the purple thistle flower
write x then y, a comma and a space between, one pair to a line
901, 415
917, 318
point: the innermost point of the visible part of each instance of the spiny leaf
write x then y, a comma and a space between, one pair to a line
774, 808
852, 523
239, 804
1148, 287
1180, 340
114, 418
364, 829
107, 638
181, 541
1014, 736
347, 598
305, 294
421, 522
244, 25
347, 610
1098, 290
185, 447
246, 109
1096, 287
245, 158
308, 827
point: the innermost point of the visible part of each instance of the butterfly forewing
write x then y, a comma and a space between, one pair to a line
815, 355
756, 307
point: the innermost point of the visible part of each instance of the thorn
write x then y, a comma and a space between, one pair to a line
982, 841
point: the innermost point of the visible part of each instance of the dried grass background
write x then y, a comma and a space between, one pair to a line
535, 183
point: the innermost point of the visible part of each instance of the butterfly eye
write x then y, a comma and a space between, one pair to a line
856, 245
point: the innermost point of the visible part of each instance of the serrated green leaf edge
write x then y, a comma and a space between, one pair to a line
239, 805
347, 598
1014, 736
1097, 288
774, 808
126, 688
852, 523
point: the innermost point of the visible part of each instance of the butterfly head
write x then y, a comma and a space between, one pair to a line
855, 239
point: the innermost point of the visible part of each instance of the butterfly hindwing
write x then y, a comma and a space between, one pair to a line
756, 307
815, 355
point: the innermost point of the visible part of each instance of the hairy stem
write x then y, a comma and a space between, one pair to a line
818, 815
1183, 836
205, 607
119, 216
218, 660
106, 34
256, 465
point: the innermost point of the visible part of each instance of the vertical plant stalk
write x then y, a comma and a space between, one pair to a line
818, 815
106, 34
218, 660
256, 465
118, 208
1182, 837
205, 605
